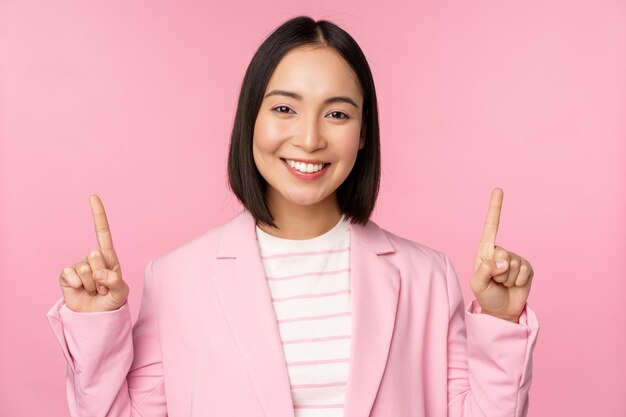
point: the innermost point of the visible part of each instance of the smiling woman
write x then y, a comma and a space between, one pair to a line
300, 305
306, 153
310, 97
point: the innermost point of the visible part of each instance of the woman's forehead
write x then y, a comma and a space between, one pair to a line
315, 71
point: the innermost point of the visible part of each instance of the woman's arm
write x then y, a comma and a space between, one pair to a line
114, 369
489, 358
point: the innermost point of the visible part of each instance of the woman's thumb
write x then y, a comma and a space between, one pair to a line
109, 279
489, 269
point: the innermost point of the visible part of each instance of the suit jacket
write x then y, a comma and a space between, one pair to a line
206, 341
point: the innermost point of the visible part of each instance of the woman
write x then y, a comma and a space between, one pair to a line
300, 305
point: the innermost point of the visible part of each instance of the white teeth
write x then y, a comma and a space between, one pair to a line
302, 167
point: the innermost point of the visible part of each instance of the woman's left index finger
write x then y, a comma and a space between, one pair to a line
493, 218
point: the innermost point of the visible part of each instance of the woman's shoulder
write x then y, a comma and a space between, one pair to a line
411, 252
202, 244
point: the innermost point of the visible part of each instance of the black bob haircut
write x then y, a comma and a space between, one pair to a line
357, 195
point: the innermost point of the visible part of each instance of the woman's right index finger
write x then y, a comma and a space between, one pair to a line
103, 233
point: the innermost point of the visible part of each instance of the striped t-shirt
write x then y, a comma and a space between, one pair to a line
309, 282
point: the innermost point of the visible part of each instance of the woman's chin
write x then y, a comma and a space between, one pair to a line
304, 200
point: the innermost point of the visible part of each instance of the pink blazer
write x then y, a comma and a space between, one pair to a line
206, 341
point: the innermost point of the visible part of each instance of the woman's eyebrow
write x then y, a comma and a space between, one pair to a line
330, 100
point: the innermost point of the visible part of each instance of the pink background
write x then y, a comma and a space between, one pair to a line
135, 101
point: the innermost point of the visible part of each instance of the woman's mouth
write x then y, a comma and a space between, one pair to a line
304, 167
303, 170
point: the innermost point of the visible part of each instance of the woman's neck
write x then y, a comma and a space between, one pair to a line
303, 222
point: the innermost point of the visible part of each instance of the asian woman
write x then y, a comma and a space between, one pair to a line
300, 305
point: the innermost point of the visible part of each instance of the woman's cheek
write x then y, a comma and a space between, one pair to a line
268, 132
349, 139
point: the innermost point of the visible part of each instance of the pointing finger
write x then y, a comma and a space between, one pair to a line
103, 233
493, 219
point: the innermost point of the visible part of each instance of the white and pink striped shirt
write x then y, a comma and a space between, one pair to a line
309, 281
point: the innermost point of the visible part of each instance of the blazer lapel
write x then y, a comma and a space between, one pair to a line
374, 286
245, 298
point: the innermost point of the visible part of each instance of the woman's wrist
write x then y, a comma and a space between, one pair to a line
507, 318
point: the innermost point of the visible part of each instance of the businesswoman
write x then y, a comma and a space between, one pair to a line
300, 305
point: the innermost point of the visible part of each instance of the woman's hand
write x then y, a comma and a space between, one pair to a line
95, 283
501, 290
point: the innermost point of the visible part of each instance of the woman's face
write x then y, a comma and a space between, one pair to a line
311, 112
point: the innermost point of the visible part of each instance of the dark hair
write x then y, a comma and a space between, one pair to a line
357, 195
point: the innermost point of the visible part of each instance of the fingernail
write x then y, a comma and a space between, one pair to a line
501, 263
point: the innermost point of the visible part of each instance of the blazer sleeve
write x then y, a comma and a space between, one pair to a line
489, 359
114, 369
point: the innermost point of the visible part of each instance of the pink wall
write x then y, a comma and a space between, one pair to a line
135, 100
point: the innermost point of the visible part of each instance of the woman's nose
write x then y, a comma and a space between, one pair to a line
310, 138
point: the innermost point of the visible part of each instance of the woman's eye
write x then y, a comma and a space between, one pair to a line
345, 116
287, 110
281, 107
